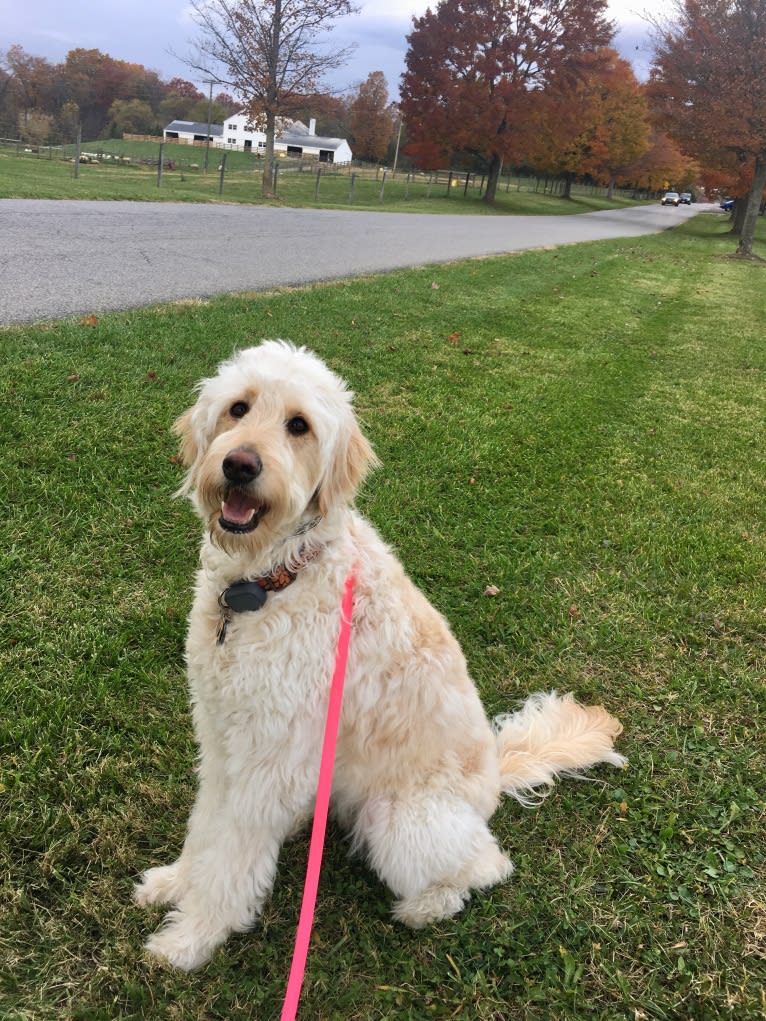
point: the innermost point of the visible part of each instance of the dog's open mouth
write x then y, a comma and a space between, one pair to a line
240, 512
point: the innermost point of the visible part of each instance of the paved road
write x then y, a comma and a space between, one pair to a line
62, 258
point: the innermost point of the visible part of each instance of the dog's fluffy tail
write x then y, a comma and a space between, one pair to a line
550, 736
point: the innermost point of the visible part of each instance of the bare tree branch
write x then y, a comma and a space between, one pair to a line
271, 52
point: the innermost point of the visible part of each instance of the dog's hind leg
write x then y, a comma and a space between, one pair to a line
431, 850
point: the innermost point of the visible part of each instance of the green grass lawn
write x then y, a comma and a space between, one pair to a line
584, 429
37, 177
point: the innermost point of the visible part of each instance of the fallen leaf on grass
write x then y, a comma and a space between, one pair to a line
491, 590
73, 377
454, 337
89, 320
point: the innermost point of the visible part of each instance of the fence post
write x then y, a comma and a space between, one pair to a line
352, 190
316, 186
430, 185
382, 186
275, 178
407, 188
77, 148
222, 173
467, 180
159, 165
449, 184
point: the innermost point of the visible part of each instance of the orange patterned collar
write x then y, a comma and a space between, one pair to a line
247, 595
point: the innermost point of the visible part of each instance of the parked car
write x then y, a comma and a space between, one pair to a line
727, 205
686, 198
671, 198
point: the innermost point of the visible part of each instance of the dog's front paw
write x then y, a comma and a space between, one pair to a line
437, 902
159, 886
185, 942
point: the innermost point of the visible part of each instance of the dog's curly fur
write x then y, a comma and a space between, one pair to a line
274, 456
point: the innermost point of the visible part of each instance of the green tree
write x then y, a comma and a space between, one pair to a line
203, 109
132, 117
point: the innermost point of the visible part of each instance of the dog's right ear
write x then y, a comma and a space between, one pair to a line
188, 450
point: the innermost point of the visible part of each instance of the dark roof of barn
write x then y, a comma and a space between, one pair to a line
195, 127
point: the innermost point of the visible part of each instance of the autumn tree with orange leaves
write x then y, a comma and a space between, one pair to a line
662, 166
708, 88
473, 65
596, 123
617, 129
372, 122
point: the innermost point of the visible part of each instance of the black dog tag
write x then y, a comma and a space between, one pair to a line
245, 595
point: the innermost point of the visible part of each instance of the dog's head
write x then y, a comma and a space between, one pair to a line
271, 442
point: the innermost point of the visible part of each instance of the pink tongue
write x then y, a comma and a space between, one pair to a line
238, 507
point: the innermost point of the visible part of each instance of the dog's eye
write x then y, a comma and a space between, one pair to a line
239, 409
297, 426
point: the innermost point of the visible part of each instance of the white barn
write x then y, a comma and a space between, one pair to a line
193, 131
293, 138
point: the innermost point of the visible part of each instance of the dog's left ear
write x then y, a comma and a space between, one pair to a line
353, 459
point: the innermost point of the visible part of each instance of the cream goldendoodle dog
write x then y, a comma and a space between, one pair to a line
274, 457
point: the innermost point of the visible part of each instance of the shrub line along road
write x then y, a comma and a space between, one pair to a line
64, 258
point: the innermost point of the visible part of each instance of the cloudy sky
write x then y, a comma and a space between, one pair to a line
146, 31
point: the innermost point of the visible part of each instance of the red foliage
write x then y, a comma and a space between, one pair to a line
708, 87
473, 66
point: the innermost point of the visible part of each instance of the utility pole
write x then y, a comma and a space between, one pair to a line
209, 122
398, 140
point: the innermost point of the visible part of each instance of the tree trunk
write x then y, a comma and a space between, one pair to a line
567, 192
493, 177
272, 95
267, 187
737, 216
610, 190
745, 246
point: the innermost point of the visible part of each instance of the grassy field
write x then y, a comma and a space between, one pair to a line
34, 177
582, 428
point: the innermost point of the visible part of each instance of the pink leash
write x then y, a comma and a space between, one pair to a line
321, 808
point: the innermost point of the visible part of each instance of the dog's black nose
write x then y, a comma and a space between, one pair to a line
242, 465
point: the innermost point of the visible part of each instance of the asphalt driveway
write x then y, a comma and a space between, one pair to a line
63, 258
